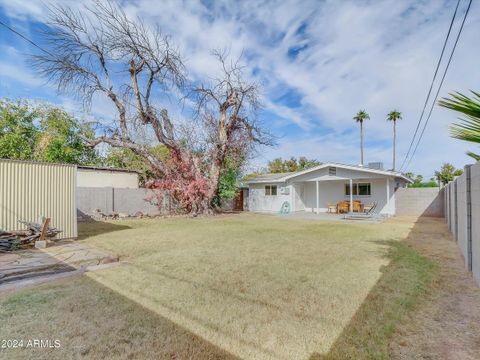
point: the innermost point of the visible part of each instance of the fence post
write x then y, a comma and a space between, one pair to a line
468, 174
446, 190
113, 199
450, 209
456, 210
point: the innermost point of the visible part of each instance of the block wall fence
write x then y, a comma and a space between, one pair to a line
462, 214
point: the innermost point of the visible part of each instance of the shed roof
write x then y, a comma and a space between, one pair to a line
99, 168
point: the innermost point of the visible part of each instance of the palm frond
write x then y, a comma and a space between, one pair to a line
469, 127
468, 130
473, 155
361, 115
463, 104
394, 115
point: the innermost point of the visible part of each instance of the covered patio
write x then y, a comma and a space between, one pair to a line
334, 194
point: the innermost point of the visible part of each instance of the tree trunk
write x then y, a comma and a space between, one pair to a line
361, 143
394, 141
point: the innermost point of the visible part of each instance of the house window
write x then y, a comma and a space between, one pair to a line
271, 190
354, 189
362, 189
332, 171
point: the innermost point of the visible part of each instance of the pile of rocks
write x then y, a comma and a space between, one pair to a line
99, 215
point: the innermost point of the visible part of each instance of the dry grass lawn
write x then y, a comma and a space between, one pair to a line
247, 286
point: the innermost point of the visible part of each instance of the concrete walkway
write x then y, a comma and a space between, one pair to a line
62, 257
303, 215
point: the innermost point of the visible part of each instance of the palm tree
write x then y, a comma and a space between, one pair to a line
394, 116
469, 128
359, 118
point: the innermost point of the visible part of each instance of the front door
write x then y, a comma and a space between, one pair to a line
299, 194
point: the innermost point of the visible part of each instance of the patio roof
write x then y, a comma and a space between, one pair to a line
282, 177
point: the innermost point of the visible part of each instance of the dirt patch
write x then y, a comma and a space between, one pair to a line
446, 325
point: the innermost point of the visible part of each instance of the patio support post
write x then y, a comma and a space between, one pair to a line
316, 193
351, 195
388, 195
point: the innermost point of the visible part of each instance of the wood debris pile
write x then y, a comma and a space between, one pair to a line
22, 239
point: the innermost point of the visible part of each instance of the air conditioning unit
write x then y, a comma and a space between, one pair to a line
284, 190
376, 165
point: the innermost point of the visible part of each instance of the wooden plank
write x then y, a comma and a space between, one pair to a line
43, 234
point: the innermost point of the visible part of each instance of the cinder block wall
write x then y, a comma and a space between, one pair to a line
462, 209
419, 202
460, 229
128, 201
475, 174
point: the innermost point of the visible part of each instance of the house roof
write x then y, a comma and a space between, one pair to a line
98, 168
281, 177
268, 177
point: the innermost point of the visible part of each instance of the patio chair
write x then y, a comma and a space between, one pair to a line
331, 208
366, 208
343, 207
357, 206
371, 214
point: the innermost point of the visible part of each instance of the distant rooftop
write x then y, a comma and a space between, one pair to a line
99, 168
274, 176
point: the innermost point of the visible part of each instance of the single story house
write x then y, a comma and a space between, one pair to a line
91, 176
312, 189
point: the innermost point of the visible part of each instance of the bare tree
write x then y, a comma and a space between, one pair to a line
93, 50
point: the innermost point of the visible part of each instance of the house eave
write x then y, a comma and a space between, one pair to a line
350, 167
264, 181
343, 166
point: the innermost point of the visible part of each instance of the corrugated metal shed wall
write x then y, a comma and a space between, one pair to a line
29, 190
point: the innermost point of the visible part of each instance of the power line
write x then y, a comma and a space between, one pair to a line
25, 38
37, 46
431, 85
441, 82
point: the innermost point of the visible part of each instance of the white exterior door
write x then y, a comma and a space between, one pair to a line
299, 196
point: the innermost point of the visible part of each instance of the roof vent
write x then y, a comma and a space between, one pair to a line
376, 165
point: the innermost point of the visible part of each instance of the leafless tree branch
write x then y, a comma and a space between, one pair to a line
100, 50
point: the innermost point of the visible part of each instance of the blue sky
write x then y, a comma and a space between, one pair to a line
319, 63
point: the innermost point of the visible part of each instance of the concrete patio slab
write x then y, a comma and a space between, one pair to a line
62, 257
302, 215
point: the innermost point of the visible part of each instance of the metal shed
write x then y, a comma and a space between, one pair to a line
29, 190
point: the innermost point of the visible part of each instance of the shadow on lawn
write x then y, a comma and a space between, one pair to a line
93, 228
403, 281
116, 327
129, 330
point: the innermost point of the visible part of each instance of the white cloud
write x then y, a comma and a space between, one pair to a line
18, 74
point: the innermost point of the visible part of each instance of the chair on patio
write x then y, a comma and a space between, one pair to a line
366, 208
343, 207
371, 214
357, 206
331, 208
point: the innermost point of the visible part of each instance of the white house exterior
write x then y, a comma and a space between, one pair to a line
312, 189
